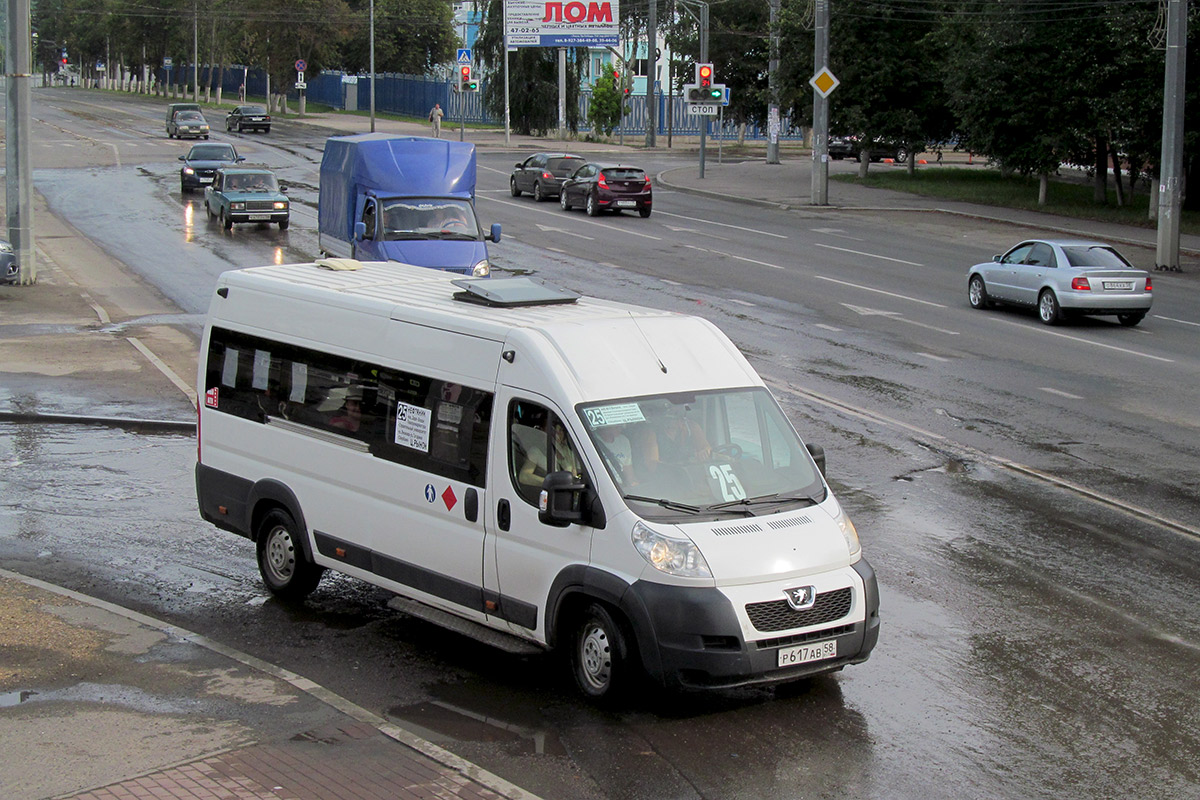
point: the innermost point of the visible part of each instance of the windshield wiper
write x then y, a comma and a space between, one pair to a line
664, 502
774, 497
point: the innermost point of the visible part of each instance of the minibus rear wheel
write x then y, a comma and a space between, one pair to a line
281, 561
599, 655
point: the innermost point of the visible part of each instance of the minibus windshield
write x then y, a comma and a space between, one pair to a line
730, 450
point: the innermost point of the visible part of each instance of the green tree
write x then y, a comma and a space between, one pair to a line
412, 37
606, 106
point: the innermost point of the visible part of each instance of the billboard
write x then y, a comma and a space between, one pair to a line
562, 23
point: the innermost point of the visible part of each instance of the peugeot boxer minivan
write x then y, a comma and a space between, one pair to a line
530, 467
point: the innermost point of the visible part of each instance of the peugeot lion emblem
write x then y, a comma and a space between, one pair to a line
801, 598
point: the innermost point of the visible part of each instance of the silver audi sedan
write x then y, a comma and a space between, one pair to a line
1061, 278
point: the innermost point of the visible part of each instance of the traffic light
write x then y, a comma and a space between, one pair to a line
465, 82
704, 75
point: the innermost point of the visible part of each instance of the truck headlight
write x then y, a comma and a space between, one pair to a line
668, 554
482, 269
850, 533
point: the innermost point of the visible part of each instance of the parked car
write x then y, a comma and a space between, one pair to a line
188, 124
542, 174
254, 118
201, 163
9, 271
850, 147
246, 195
172, 108
604, 187
1062, 278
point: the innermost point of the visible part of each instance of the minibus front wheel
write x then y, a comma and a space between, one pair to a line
600, 658
281, 561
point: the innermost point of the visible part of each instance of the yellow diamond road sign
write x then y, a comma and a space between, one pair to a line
824, 82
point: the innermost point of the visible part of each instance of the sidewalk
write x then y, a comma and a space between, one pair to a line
101, 703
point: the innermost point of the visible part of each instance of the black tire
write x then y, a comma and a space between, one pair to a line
208, 209
600, 657
281, 561
183, 189
226, 222
283, 224
240, 128
206, 136
563, 202
977, 292
538, 197
593, 206
901, 156
1049, 311
1129, 320
644, 211
512, 187
266, 130
228, 127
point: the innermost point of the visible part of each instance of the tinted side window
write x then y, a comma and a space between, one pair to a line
421, 422
538, 444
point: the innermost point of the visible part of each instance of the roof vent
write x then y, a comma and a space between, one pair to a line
512, 292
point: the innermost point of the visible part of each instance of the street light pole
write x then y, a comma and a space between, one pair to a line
372, 66
1170, 188
820, 150
19, 175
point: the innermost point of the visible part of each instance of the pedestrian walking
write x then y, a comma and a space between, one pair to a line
435, 119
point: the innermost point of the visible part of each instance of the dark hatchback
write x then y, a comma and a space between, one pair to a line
9, 271
201, 163
607, 187
248, 118
542, 174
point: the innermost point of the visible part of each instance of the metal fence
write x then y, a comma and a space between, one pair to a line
414, 95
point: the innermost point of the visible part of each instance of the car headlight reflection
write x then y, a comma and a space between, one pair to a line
850, 533
668, 554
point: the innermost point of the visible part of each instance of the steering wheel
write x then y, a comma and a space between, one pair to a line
733, 451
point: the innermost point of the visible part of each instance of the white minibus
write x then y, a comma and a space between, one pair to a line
527, 466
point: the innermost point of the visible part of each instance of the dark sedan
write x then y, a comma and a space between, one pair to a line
607, 187
248, 118
201, 163
9, 271
542, 174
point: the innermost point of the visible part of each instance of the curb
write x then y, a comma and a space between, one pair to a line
394, 732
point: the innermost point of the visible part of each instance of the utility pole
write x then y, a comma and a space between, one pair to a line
195, 52
703, 60
651, 71
372, 90
19, 175
773, 88
820, 150
1170, 187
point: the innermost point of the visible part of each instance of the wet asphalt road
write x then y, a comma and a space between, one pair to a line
1035, 643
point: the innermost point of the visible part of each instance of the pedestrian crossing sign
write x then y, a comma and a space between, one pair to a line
464, 55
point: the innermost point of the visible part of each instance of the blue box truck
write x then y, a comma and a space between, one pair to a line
385, 197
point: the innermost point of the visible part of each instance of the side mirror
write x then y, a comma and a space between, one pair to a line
818, 455
519, 164
564, 500
183, 158
283, 190
996, 258
240, 159
360, 231
495, 232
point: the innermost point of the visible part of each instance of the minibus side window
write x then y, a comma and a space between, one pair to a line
538, 444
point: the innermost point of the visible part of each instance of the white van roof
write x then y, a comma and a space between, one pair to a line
610, 349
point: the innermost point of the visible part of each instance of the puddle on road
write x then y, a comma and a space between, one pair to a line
440, 721
10, 699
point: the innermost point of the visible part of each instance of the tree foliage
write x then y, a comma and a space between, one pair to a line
606, 106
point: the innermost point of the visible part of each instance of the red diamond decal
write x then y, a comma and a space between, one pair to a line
448, 498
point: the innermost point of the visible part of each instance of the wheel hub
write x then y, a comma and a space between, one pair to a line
595, 656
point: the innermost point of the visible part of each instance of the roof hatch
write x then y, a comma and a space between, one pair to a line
512, 292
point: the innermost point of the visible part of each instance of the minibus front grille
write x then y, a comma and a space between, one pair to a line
801, 638
777, 615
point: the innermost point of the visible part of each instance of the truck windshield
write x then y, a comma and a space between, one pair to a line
429, 218
724, 451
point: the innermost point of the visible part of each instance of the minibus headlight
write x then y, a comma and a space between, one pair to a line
670, 555
850, 533
482, 269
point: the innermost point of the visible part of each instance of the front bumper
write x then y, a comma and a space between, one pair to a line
692, 639
258, 216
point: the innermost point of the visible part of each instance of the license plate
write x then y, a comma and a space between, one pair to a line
1125, 285
206, 180
627, 203
802, 654
259, 217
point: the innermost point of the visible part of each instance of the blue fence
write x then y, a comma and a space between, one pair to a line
414, 95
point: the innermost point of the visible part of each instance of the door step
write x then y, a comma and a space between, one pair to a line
490, 636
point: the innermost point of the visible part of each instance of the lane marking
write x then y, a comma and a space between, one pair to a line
1060, 393
721, 224
525, 207
931, 355
741, 302
880, 291
162, 367
1180, 321
1081, 340
823, 326
563, 230
734, 256
680, 229
869, 255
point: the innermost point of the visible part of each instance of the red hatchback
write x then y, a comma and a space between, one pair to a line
607, 187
